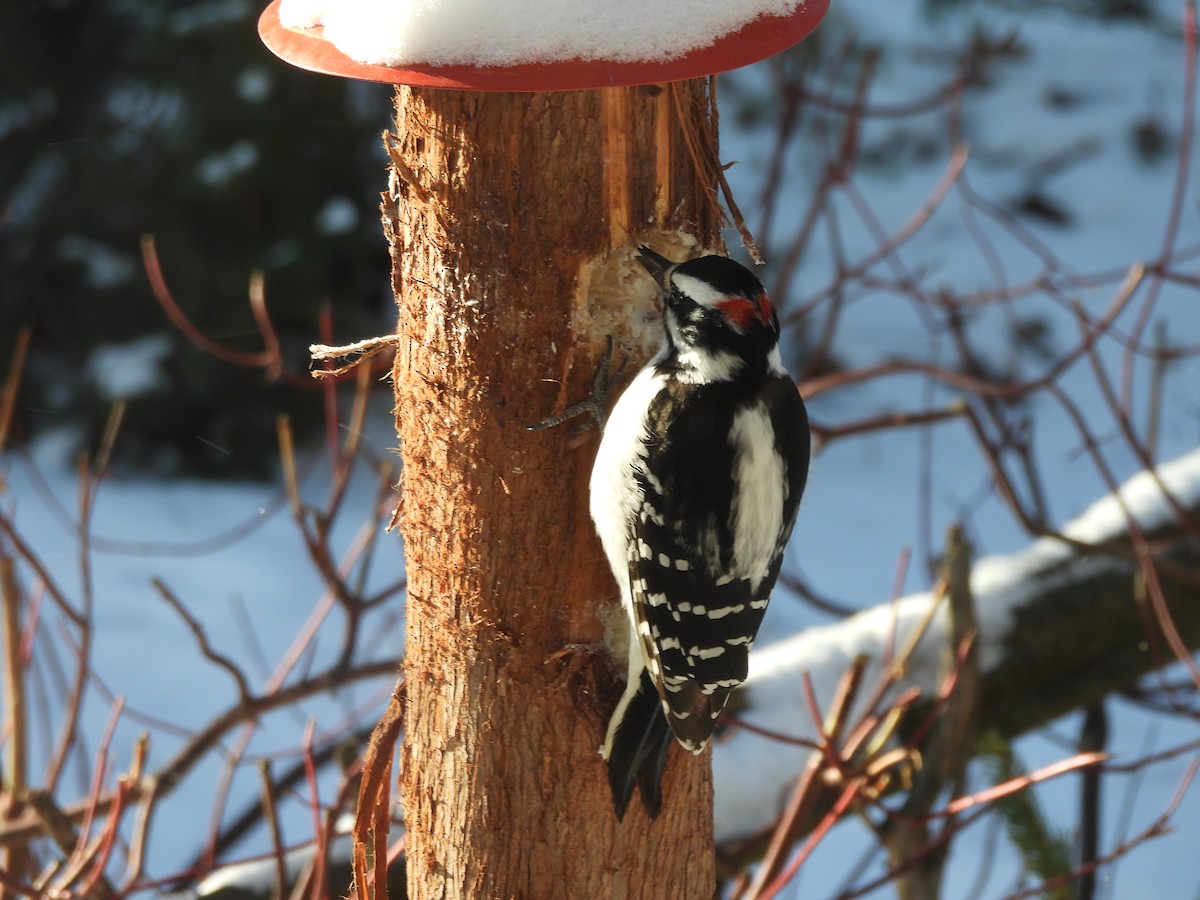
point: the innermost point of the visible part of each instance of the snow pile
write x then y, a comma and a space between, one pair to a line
512, 32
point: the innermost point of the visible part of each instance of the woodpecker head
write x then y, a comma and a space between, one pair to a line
716, 314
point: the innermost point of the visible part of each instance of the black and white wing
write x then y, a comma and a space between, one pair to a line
707, 548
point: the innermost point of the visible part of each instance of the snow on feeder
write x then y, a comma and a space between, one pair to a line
533, 45
560, 137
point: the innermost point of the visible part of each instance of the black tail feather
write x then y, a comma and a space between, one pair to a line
639, 751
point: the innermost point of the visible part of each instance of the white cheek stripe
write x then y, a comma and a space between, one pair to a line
700, 291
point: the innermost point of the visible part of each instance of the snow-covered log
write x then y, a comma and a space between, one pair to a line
1060, 625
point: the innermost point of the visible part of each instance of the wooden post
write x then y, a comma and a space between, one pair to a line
497, 205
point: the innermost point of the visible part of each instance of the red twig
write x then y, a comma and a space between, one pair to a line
1158, 827
990, 795
839, 808
179, 319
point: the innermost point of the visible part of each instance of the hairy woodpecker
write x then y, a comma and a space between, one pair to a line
694, 493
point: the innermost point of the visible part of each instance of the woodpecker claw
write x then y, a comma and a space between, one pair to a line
595, 407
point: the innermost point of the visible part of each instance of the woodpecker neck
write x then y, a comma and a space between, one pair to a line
693, 365
705, 367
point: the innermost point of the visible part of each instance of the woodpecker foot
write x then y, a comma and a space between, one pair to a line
595, 407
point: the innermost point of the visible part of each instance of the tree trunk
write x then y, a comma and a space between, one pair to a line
500, 207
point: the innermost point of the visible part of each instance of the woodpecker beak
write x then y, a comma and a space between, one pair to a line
657, 265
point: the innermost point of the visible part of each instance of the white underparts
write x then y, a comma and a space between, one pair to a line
615, 497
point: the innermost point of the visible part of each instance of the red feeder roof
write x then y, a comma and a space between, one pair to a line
764, 37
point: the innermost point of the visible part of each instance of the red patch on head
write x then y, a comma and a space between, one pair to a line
743, 313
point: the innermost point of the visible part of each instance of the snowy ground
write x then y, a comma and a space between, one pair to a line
1076, 93
233, 556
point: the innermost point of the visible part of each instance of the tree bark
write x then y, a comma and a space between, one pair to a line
500, 209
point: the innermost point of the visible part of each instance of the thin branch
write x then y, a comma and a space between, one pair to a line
206, 649
12, 384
